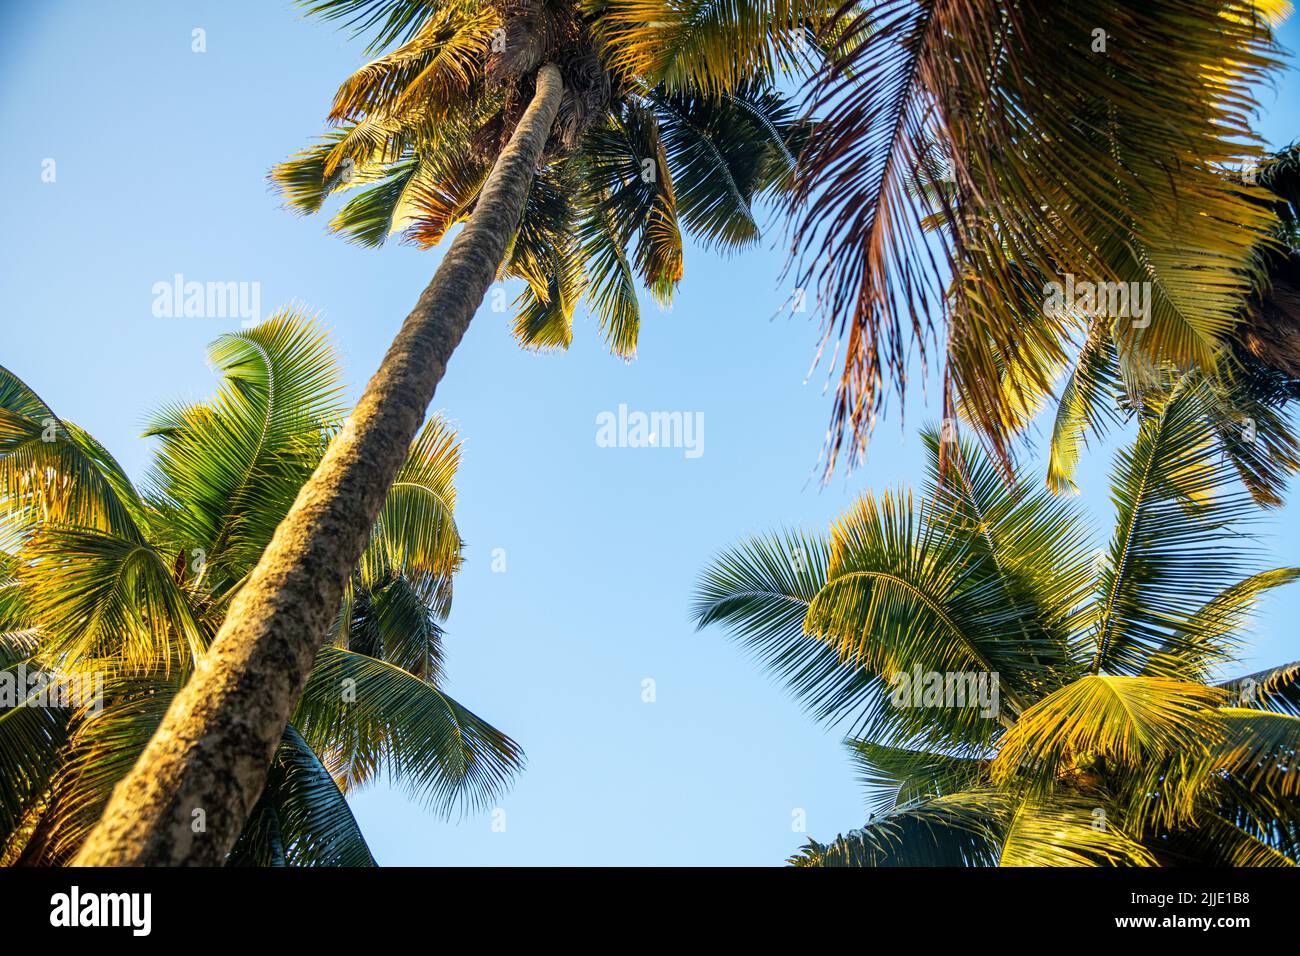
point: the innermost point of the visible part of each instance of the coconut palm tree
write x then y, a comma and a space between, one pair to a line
629, 171
103, 580
1014, 695
1099, 139
507, 87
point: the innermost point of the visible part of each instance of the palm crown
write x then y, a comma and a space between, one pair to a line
102, 578
1096, 735
667, 125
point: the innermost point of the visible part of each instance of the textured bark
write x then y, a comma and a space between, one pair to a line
208, 760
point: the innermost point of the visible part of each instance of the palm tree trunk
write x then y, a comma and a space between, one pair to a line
186, 800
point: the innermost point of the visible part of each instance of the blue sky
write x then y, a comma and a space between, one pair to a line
161, 156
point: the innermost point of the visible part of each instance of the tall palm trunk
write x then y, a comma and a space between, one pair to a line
189, 795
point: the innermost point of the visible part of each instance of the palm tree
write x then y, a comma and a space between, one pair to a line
967, 152
1016, 696
554, 76
629, 171
105, 580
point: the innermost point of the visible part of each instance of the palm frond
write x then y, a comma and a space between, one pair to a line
432, 71
1276, 689
956, 830
364, 716
302, 818
232, 466
1261, 749
1214, 632
1068, 831
389, 619
52, 471
1064, 161
1126, 721
630, 183
760, 591
906, 595
102, 749
377, 211
389, 20
1087, 404
1176, 501
896, 777
716, 44
1029, 545
99, 598
32, 733
611, 284
415, 535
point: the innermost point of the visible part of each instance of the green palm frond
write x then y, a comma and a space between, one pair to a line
956, 830
340, 159
391, 620
544, 312
1087, 404
717, 171
1214, 632
301, 178
629, 181
611, 285
896, 777
232, 466
302, 818
31, 735
434, 69
415, 534
1031, 546
544, 254
906, 595
760, 592
377, 211
388, 20
365, 716
1261, 749
101, 750
1176, 501
98, 598
1220, 842
1254, 424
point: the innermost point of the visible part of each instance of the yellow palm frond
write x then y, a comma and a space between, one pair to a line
1126, 721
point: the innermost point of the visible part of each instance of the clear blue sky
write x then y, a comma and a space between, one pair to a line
161, 161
